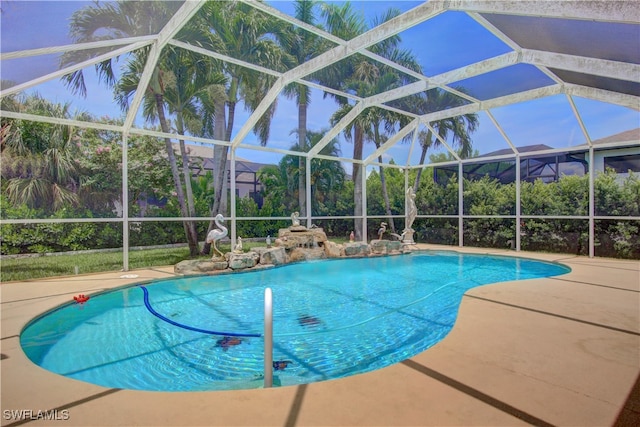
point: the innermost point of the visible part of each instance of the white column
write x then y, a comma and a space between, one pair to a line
232, 179
125, 202
268, 338
592, 205
308, 195
518, 207
460, 205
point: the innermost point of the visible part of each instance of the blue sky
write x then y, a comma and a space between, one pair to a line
446, 42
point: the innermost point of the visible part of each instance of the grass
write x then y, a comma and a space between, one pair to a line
29, 268
39, 267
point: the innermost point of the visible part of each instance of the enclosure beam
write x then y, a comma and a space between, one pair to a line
460, 205
260, 110
125, 202
617, 98
602, 11
232, 167
501, 131
578, 116
443, 142
518, 204
335, 131
393, 140
307, 184
363, 178
171, 28
584, 65
592, 204
75, 47
31, 83
494, 103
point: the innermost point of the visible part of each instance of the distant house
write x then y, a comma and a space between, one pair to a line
550, 167
622, 160
246, 171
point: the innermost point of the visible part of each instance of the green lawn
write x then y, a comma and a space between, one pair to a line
29, 268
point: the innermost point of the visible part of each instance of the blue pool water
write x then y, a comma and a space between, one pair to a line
331, 319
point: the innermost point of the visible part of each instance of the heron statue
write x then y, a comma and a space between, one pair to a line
382, 229
215, 234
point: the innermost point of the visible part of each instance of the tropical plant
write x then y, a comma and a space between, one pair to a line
124, 18
364, 77
459, 128
38, 159
302, 45
280, 182
239, 31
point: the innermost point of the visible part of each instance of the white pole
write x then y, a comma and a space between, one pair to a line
268, 338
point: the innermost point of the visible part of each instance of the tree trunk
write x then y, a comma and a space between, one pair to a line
423, 155
383, 185
358, 142
219, 168
302, 143
385, 196
191, 239
186, 172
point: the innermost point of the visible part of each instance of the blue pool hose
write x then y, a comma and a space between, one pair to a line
180, 325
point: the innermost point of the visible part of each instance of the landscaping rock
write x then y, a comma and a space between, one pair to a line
198, 266
379, 247
333, 250
242, 261
290, 238
356, 249
275, 256
301, 254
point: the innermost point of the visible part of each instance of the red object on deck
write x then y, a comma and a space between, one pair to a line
81, 299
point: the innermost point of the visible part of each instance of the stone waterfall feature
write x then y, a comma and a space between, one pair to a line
301, 243
295, 243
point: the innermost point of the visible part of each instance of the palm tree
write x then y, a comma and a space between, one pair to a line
342, 21
302, 45
239, 31
121, 19
38, 160
326, 175
460, 127
365, 78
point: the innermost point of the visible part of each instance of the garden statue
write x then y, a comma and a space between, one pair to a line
238, 248
382, 230
412, 211
352, 237
295, 221
269, 241
215, 235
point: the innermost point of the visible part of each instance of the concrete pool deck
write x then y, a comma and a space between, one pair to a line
555, 351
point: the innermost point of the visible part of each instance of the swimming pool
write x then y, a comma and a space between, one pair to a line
331, 319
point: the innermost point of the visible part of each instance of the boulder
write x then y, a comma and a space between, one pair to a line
260, 249
198, 266
394, 246
303, 254
356, 249
275, 256
290, 238
242, 261
333, 250
379, 246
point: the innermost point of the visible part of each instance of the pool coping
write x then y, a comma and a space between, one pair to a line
556, 351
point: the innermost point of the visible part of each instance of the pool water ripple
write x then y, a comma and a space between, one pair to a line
331, 319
